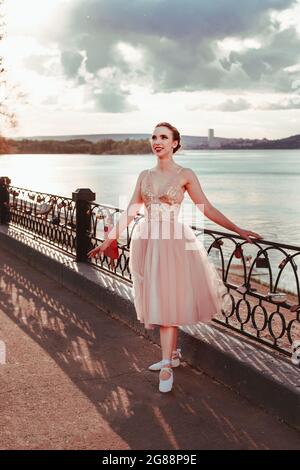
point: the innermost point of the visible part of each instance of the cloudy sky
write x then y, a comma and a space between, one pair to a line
106, 66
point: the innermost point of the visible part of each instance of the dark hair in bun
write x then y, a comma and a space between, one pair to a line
175, 132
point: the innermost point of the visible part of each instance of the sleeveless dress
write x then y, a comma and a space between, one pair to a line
174, 281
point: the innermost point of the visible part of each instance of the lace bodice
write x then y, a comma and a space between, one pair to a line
166, 203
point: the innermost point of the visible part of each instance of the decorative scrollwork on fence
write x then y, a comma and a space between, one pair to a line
263, 300
50, 217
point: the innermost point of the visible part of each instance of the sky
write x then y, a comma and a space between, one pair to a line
122, 66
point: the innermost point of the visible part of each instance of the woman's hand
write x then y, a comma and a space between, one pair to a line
99, 249
247, 233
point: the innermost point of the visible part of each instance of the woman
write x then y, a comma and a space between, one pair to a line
174, 281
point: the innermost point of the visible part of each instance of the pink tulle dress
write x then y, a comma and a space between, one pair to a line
174, 281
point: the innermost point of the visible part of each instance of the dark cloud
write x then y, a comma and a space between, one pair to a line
178, 41
234, 105
112, 100
292, 103
71, 61
193, 19
229, 105
279, 52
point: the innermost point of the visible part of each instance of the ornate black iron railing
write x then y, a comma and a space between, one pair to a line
47, 216
263, 293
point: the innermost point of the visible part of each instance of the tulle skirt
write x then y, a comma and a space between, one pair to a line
174, 280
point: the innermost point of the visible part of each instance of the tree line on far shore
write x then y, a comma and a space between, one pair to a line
127, 146
105, 146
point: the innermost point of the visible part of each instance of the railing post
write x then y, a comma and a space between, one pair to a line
83, 197
4, 199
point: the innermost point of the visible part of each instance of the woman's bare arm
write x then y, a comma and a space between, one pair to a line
127, 216
202, 203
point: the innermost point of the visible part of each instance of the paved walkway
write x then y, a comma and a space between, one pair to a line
76, 379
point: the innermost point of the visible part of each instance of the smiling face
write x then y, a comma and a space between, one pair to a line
162, 142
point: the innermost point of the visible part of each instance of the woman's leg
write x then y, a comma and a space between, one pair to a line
175, 339
168, 336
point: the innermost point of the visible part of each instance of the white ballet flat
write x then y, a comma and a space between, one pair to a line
176, 356
167, 384
296, 352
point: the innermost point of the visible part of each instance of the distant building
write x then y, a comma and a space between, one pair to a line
213, 142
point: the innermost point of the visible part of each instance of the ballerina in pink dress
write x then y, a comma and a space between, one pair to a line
174, 281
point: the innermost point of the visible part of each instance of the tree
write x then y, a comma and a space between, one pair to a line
7, 116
